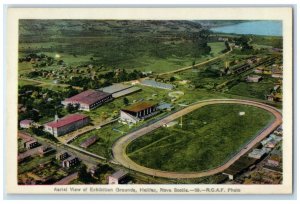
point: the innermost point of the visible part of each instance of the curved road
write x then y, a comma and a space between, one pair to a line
119, 147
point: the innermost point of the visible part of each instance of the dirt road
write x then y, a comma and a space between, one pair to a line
201, 63
119, 147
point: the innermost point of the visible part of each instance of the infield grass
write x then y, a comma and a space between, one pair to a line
208, 137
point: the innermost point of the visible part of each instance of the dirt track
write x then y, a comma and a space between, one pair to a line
119, 147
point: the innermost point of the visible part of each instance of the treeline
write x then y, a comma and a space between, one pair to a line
102, 80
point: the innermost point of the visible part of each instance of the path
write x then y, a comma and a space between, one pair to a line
119, 147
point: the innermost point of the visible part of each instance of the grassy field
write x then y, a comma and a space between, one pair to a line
254, 90
33, 162
208, 138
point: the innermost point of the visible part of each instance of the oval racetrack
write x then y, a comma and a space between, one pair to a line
119, 147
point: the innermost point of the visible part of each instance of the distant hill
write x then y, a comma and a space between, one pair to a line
57, 28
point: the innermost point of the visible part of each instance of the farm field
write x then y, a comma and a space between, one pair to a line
208, 137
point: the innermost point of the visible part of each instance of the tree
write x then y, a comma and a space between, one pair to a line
84, 176
125, 101
72, 108
172, 79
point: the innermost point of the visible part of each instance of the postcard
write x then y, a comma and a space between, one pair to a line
149, 100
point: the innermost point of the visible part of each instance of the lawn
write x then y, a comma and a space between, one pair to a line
112, 108
209, 137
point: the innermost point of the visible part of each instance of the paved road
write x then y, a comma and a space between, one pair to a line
119, 147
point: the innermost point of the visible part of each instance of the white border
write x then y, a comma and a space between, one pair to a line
14, 14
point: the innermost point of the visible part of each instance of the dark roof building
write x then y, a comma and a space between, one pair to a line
138, 111
88, 99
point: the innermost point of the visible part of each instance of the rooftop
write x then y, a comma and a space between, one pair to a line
89, 141
88, 97
115, 88
139, 106
71, 158
156, 84
26, 122
66, 120
119, 174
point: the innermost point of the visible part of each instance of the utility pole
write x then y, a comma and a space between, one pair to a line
181, 122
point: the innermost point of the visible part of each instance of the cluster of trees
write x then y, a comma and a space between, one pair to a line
40, 60
227, 47
200, 40
41, 133
100, 174
244, 42
40, 102
101, 80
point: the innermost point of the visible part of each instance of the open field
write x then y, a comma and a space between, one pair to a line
208, 137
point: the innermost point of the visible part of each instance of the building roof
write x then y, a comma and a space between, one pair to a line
115, 88
71, 158
62, 152
88, 97
88, 142
275, 158
163, 106
66, 120
254, 77
31, 142
156, 84
257, 153
119, 174
26, 122
126, 92
139, 106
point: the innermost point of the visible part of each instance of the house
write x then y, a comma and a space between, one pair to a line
62, 126
88, 142
117, 177
88, 100
257, 153
276, 87
270, 97
26, 123
155, 84
138, 111
271, 144
274, 160
62, 155
277, 75
253, 78
69, 162
31, 144
44, 150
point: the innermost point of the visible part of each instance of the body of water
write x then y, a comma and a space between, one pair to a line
269, 28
